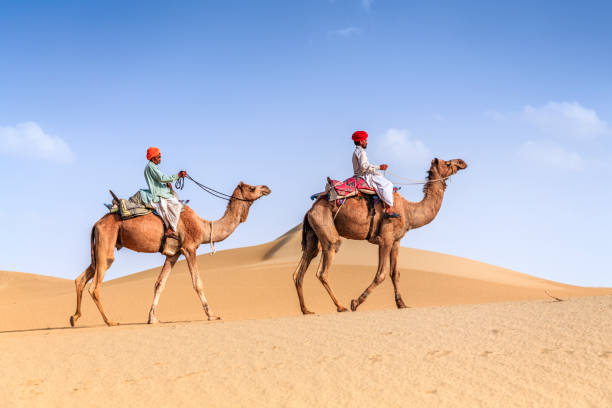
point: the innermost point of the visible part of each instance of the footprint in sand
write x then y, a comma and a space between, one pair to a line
486, 353
376, 358
438, 353
33, 382
605, 354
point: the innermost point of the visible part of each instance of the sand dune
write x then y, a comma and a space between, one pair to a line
534, 353
452, 348
256, 282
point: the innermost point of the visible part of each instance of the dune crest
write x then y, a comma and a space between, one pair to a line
256, 282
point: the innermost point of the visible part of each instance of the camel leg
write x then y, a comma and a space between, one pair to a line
160, 284
308, 253
80, 283
383, 260
102, 264
326, 262
322, 223
190, 255
395, 275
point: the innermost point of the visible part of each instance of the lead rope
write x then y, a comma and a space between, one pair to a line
212, 244
413, 182
339, 208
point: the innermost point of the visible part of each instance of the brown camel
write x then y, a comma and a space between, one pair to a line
355, 221
144, 234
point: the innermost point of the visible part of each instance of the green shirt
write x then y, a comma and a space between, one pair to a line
156, 180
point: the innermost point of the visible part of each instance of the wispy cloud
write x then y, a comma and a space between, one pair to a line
29, 140
345, 32
566, 119
400, 145
550, 154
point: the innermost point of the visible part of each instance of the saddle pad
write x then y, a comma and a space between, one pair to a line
135, 207
351, 186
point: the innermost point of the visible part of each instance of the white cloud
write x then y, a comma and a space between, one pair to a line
550, 154
345, 32
29, 140
399, 144
566, 119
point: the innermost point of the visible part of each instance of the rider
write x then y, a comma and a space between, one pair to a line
362, 168
160, 194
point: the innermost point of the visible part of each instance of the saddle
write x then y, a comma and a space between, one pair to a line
338, 191
135, 207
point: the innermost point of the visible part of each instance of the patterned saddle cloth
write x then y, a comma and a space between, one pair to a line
349, 187
338, 191
135, 207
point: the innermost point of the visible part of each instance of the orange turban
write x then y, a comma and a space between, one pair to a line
359, 135
152, 152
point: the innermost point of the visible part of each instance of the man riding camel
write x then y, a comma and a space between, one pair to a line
160, 194
362, 168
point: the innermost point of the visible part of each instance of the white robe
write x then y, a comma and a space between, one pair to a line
170, 211
362, 168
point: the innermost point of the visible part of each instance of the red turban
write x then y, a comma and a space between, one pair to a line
152, 152
360, 135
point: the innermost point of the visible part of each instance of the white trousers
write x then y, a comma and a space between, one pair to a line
170, 211
383, 187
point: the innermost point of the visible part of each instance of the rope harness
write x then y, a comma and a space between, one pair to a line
180, 183
413, 182
212, 243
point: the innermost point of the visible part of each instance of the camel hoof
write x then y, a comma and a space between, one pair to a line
110, 324
72, 321
214, 318
153, 320
354, 304
307, 312
342, 309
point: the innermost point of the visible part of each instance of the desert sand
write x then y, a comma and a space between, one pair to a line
475, 335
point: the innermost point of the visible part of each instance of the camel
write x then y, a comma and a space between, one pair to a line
325, 223
144, 234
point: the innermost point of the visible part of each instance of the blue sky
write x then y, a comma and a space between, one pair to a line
269, 92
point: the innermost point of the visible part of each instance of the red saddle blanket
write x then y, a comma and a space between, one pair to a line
350, 186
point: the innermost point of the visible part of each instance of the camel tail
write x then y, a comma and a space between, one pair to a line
306, 232
93, 253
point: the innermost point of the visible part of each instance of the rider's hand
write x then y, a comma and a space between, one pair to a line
182, 173
383, 167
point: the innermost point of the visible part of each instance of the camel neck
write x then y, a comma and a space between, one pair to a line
423, 212
236, 213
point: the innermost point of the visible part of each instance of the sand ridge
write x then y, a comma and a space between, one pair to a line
475, 335
256, 282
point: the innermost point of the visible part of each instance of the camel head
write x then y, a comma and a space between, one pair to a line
447, 168
253, 193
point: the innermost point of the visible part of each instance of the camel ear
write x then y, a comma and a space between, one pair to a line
241, 183
435, 161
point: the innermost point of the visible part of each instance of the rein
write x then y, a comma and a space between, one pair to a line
413, 182
180, 183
